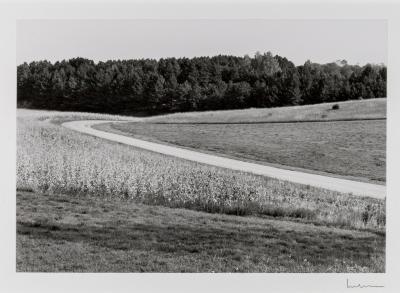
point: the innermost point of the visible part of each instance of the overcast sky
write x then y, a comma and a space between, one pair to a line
322, 41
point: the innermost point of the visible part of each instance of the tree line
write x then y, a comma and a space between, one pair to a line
149, 86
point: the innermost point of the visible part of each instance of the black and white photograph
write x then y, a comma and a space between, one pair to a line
213, 145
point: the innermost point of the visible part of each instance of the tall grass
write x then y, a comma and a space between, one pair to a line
52, 159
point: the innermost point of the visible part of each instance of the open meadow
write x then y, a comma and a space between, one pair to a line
86, 204
353, 149
348, 110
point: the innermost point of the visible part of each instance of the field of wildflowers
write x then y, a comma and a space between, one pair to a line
55, 160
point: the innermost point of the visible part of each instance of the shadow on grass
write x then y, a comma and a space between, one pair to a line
317, 248
64, 233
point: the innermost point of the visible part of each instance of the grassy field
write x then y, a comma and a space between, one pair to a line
361, 109
68, 233
353, 149
63, 176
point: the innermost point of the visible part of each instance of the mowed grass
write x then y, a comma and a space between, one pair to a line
360, 109
353, 149
89, 234
57, 164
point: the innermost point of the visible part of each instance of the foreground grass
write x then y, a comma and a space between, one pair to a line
90, 234
54, 160
361, 109
356, 149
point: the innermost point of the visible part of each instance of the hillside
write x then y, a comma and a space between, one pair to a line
358, 109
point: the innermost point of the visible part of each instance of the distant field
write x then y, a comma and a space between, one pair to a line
362, 109
356, 149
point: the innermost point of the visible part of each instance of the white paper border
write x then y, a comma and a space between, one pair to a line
65, 282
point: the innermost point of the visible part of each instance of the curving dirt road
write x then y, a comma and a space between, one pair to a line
331, 183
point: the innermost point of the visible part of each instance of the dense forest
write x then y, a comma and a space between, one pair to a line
148, 86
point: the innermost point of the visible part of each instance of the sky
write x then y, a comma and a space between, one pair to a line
321, 41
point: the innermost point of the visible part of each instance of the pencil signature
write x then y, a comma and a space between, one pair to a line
361, 286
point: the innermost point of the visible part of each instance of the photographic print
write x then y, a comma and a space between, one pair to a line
201, 145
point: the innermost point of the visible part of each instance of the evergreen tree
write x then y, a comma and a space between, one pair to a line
149, 86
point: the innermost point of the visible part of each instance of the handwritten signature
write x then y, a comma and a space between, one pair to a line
361, 286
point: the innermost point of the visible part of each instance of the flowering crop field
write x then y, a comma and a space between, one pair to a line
55, 160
